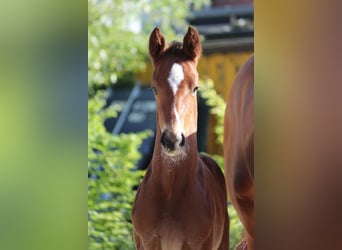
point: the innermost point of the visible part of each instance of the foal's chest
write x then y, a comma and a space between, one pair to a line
175, 225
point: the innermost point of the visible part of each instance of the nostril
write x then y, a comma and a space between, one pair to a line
182, 143
163, 139
166, 142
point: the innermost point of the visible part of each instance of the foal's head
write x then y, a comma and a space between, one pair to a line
175, 84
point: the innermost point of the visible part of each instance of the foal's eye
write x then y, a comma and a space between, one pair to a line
154, 90
194, 90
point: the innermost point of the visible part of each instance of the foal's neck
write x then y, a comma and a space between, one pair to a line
174, 174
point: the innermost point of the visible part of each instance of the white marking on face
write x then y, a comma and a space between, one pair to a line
176, 77
176, 114
176, 124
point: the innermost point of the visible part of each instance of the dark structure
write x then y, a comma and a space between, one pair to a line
228, 26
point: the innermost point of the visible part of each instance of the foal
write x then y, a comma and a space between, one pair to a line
181, 202
239, 149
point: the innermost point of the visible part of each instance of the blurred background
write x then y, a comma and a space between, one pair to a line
121, 108
50, 116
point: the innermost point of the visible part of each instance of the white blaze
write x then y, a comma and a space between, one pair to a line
176, 77
176, 124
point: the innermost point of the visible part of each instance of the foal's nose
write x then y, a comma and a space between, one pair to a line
172, 142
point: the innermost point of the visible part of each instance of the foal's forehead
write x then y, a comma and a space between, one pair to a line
175, 70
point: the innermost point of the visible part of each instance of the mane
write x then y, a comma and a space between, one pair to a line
175, 49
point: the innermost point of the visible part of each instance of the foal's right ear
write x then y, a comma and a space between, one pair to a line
157, 44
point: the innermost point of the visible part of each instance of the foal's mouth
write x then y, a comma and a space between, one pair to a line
174, 156
173, 152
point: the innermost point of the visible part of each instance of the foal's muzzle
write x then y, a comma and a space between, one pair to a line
172, 143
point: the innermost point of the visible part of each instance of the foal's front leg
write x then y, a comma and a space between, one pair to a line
138, 244
147, 244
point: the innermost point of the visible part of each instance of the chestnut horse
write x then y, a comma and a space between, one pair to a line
181, 202
239, 149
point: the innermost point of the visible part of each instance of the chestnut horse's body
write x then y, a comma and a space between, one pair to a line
239, 149
181, 202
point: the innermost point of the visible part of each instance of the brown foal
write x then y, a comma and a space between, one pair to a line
181, 202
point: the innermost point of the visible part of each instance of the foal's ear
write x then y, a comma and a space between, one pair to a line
192, 44
157, 43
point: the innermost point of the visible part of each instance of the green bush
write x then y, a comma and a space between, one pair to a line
111, 159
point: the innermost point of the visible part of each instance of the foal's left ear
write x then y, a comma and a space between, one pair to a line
192, 45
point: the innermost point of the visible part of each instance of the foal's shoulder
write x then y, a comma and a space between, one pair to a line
213, 167
208, 160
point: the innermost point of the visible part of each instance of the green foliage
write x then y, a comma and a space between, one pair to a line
217, 108
118, 34
110, 187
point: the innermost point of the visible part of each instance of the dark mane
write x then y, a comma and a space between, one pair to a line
175, 49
